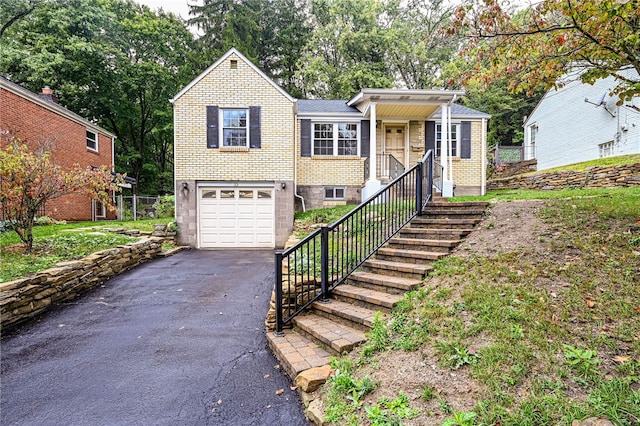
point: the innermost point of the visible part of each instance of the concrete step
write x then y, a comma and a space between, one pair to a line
418, 257
384, 283
396, 269
365, 297
446, 223
346, 313
296, 352
336, 337
436, 246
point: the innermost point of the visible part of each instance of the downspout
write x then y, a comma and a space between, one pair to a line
295, 163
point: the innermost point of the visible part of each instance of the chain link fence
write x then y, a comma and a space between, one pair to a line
137, 207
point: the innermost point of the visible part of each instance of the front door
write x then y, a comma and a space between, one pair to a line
394, 142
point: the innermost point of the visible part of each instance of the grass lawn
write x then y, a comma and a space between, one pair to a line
542, 334
56, 243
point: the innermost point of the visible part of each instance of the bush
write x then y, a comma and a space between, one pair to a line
7, 225
46, 220
165, 207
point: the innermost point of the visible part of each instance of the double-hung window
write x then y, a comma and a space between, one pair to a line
338, 139
92, 140
454, 140
234, 127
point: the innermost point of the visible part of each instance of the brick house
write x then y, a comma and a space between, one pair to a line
37, 119
247, 154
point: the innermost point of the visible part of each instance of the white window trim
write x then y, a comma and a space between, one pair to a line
221, 111
96, 141
609, 145
458, 138
334, 188
335, 138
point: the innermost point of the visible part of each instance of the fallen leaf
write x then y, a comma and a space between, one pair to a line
213, 410
266, 376
219, 402
621, 359
279, 392
277, 366
590, 303
293, 388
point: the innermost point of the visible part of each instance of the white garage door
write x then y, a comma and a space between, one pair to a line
236, 217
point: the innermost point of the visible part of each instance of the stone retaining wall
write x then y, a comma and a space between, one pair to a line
512, 169
27, 297
593, 177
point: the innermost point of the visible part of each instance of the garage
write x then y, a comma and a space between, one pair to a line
236, 216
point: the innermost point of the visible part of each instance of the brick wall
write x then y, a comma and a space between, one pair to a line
467, 172
34, 124
229, 87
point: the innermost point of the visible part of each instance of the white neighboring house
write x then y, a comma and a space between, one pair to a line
581, 122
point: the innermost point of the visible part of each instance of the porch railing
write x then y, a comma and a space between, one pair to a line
311, 269
387, 166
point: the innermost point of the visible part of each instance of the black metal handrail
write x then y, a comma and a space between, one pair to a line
311, 269
387, 166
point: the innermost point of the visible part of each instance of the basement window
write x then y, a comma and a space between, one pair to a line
606, 149
334, 193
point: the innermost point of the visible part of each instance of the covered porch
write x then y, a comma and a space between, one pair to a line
397, 132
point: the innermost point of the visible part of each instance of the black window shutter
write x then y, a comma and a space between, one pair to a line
305, 138
212, 126
365, 138
255, 135
465, 142
430, 136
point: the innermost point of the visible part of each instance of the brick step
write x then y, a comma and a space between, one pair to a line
365, 297
336, 337
396, 269
430, 234
444, 223
437, 246
408, 256
384, 283
297, 353
346, 313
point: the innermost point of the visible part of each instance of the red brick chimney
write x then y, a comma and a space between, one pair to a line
48, 95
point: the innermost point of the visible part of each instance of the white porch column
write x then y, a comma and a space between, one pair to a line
445, 124
372, 185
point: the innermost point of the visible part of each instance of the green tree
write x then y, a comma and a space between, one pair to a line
597, 38
347, 50
285, 30
113, 61
28, 179
13, 11
418, 47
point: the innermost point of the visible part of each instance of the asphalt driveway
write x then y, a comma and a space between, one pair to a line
177, 341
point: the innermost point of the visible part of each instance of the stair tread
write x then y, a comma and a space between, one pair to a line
386, 280
409, 229
398, 266
417, 254
335, 335
348, 311
373, 297
296, 352
427, 220
425, 242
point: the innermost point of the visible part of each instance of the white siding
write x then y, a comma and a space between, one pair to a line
570, 129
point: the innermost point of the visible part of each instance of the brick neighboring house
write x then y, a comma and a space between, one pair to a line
38, 119
247, 153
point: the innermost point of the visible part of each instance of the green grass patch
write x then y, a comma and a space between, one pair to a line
327, 215
60, 242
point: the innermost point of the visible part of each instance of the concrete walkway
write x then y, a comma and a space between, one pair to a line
178, 341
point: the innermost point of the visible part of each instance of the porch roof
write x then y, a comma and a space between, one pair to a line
404, 103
